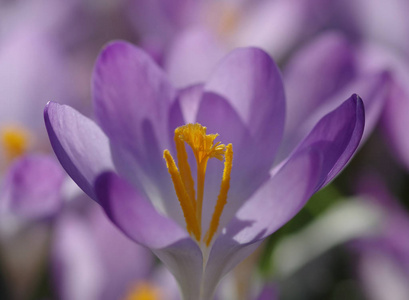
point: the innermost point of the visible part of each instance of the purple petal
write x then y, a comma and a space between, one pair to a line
189, 100
251, 82
34, 186
244, 103
138, 219
317, 83
274, 204
277, 26
192, 57
132, 99
336, 136
132, 96
80, 145
315, 73
250, 166
134, 215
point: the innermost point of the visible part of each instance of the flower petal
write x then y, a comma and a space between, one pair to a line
313, 75
131, 95
251, 82
80, 145
34, 186
134, 215
192, 57
274, 204
138, 219
244, 103
309, 101
337, 136
278, 26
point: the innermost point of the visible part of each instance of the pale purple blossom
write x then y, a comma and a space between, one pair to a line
118, 161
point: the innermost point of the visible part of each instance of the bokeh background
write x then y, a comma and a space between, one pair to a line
351, 241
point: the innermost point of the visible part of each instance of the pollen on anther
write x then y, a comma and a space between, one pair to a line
191, 200
201, 143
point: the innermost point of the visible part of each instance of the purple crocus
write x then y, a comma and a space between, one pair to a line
139, 158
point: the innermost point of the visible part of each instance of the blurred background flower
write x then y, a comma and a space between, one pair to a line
349, 241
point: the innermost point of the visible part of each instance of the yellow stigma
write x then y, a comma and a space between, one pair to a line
204, 148
144, 291
14, 141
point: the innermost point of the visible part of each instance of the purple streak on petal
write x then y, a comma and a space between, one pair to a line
34, 186
192, 57
80, 145
337, 136
251, 82
274, 204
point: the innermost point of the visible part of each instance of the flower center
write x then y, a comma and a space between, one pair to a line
144, 291
14, 141
204, 148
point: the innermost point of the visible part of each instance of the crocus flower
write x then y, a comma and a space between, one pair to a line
139, 158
